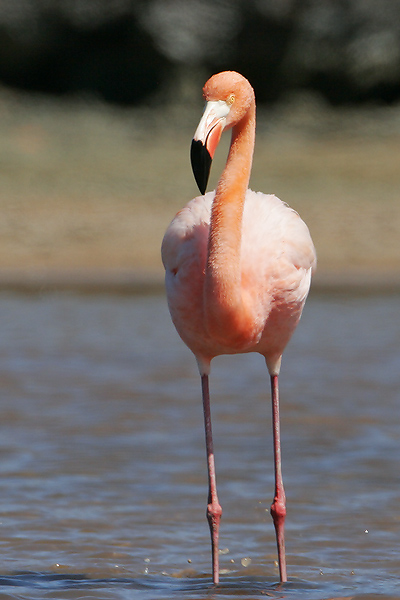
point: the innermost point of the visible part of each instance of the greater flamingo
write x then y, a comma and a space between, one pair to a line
238, 270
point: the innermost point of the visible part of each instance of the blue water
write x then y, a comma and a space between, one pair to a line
102, 459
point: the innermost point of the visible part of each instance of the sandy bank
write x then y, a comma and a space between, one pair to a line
87, 191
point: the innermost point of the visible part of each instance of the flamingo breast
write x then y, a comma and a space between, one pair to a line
277, 259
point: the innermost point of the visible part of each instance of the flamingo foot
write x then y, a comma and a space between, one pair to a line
214, 512
278, 513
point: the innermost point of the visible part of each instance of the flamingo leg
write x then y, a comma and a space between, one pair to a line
278, 506
214, 510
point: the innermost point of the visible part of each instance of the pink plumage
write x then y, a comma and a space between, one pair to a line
238, 269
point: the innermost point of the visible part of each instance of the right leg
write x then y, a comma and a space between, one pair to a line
214, 510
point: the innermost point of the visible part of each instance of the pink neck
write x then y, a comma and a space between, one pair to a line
225, 313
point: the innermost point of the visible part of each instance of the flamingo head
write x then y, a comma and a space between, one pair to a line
228, 98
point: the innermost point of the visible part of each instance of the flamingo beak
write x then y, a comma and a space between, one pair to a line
205, 140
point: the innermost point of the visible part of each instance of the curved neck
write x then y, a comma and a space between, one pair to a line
225, 312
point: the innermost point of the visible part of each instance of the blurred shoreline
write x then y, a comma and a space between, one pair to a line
138, 281
88, 189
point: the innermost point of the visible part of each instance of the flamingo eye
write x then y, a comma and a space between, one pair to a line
231, 99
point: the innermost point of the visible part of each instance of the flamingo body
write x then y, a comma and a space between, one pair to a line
238, 270
277, 259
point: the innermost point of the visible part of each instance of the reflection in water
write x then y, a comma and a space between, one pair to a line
102, 453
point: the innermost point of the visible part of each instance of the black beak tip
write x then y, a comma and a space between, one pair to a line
201, 164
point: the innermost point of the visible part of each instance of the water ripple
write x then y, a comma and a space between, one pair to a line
102, 458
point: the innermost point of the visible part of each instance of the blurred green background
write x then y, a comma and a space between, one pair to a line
99, 100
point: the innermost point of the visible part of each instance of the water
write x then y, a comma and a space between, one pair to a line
102, 459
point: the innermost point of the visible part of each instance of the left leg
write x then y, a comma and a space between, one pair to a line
278, 506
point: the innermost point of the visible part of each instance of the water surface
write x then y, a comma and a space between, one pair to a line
102, 460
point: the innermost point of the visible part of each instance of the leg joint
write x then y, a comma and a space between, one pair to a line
214, 512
